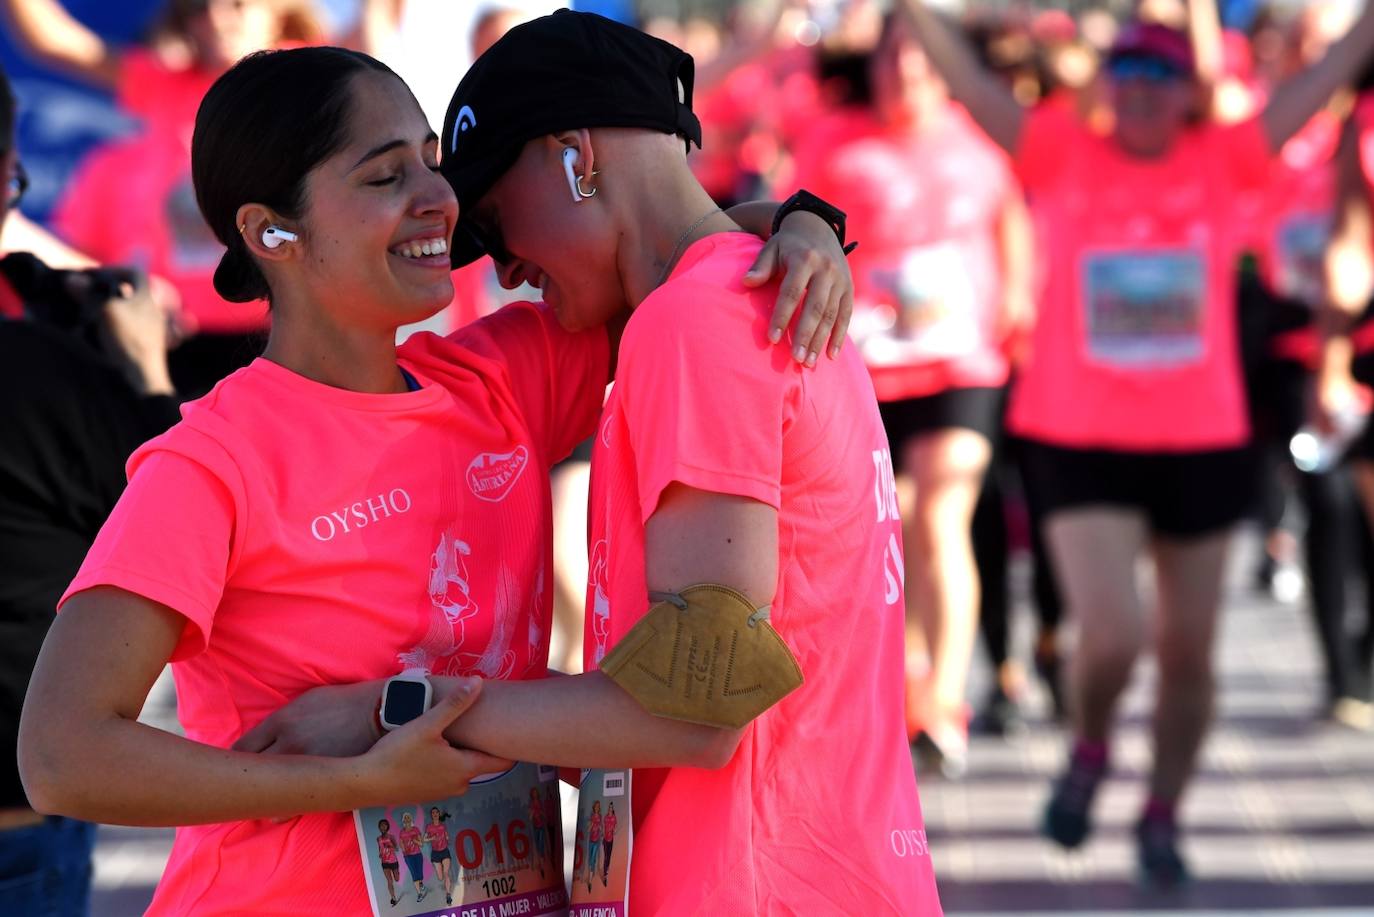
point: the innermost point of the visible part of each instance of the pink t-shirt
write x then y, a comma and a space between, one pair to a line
410, 841
703, 399
594, 835
314, 536
162, 96
926, 209
437, 835
386, 847
1135, 347
1295, 224
609, 827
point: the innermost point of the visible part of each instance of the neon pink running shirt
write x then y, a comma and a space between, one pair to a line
411, 841
704, 399
311, 535
926, 209
1135, 345
386, 846
437, 835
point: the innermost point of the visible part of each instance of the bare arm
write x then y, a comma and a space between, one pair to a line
578, 720
20, 234
83, 753
49, 33
1298, 98
989, 102
587, 720
1204, 34
1016, 248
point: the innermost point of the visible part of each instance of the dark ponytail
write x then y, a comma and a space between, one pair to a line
262, 127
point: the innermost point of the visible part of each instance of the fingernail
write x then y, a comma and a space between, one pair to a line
834, 351
811, 360
775, 335
799, 353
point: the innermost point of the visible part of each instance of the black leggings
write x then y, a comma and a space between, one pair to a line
1337, 543
990, 551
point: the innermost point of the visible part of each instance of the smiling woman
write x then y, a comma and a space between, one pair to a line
338, 511
359, 192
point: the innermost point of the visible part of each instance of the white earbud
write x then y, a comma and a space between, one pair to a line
570, 157
273, 236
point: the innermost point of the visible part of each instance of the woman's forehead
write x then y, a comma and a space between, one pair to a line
382, 104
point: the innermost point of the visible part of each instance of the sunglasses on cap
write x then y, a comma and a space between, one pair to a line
1147, 69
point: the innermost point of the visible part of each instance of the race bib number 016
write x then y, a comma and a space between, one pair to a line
495, 851
1144, 309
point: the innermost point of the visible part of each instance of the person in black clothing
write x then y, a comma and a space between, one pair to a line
85, 381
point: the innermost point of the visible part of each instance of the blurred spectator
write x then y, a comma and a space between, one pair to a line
1133, 397
131, 201
942, 281
1347, 358
86, 381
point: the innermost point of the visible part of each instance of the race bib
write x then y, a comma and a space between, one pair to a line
601, 849
934, 314
1144, 309
496, 850
1302, 251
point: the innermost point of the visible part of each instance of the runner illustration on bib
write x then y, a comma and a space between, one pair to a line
1143, 310
933, 315
485, 856
601, 873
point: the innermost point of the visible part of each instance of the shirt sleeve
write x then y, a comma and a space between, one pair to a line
707, 400
1046, 135
557, 377
170, 539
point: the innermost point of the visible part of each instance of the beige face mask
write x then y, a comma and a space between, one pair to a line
705, 655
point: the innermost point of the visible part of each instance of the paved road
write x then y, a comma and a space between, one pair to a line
1281, 819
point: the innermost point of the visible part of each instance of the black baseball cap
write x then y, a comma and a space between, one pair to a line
559, 72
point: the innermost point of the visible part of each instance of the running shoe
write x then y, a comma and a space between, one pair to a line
1161, 866
1352, 713
1000, 716
1068, 819
942, 747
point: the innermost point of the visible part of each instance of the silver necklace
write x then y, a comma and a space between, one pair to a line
672, 259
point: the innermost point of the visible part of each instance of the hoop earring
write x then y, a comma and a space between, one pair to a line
583, 193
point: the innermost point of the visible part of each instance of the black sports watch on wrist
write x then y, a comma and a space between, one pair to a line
808, 202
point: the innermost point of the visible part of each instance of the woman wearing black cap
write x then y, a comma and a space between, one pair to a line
338, 511
1132, 402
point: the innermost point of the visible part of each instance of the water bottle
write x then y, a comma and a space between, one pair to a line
1315, 452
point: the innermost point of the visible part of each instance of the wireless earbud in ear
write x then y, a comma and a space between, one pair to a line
273, 236
570, 157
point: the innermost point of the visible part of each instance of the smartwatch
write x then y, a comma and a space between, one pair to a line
810, 203
404, 698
